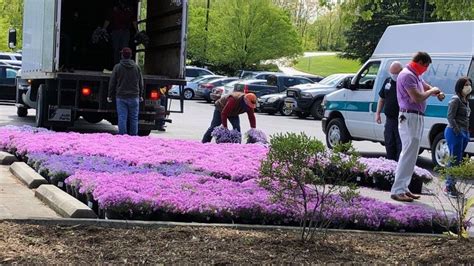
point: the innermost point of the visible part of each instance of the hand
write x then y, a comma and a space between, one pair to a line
435, 91
378, 118
109, 100
141, 99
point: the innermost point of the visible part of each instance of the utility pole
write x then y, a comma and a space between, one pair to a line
424, 12
207, 28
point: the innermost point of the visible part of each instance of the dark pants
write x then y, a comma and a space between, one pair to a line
393, 144
120, 40
217, 121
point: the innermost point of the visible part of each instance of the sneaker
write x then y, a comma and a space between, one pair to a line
452, 192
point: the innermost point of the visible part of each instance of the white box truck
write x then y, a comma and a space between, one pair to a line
52, 27
350, 112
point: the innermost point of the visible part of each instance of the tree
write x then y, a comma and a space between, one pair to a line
244, 32
454, 9
373, 17
11, 12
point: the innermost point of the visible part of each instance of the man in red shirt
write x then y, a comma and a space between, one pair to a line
120, 20
230, 107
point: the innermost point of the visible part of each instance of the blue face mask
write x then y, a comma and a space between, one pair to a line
394, 76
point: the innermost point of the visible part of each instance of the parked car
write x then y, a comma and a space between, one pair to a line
273, 103
228, 88
204, 89
350, 112
274, 84
314, 78
191, 86
307, 99
194, 72
11, 59
7, 83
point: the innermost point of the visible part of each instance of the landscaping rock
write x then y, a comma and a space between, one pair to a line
63, 203
7, 158
27, 175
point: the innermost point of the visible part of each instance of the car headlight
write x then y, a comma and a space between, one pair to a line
306, 95
272, 99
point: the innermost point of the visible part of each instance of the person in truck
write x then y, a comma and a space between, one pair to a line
126, 85
121, 19
389, 103
230, 107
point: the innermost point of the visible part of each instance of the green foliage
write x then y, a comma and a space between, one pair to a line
454, 9
327, 65
11, 17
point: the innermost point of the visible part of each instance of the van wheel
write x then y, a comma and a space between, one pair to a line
22, 112
301, 115
41, 105
336, 133
317, 110
439, 150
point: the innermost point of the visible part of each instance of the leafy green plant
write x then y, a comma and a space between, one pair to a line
293, 176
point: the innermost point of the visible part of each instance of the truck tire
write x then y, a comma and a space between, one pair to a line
301, 115
439, 150
188, 94
41, 105
144, 132
317, 110
336, 132
22, 112
92, 118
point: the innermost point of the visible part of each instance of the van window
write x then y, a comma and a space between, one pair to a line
366, 78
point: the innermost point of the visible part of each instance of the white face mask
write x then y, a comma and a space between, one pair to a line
466, 90
394, 76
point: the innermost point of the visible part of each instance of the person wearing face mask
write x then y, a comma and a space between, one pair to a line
389, 103
412, 93
457, 131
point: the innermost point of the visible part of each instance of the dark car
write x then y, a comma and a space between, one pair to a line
7, 83
307, 100
314, 78
273, 103
204, 89
274, 84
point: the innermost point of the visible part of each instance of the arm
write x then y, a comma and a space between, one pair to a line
113, 84
452, 110
106, 24
252, 120
231, 103
140, 83
419, 97
380, 105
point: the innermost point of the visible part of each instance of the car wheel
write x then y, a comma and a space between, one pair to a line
41, 106
439, 150
144, 133
22, 112
336, 133
92, 118
285, 111
317, 110
188, 94
301, 115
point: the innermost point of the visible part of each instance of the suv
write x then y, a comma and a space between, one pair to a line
194, 72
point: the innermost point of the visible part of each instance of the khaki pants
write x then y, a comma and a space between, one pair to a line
411, 130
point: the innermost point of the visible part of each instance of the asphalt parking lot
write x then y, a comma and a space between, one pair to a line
196, 118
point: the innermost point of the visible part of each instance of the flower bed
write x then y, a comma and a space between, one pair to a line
152, 178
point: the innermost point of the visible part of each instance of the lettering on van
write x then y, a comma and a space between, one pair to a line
446, 69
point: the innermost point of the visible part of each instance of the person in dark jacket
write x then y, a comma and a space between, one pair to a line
388, 101
126, 85
457, 131
230, 107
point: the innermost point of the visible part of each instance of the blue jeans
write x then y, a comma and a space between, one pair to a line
456, 145
217, 121
127, 111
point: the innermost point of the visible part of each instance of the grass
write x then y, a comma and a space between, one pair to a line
327, 65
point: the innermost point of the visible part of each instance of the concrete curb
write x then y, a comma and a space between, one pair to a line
27, 175
152, 225
7, 158
63, 203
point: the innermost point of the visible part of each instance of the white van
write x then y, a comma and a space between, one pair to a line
350, 113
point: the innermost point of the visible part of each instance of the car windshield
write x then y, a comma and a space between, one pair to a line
332, 80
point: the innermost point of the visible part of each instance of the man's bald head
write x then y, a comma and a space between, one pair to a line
395, 68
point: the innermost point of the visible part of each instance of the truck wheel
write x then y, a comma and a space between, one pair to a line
301, 115
41, 106
336, 133
188, 94
21, 112
285, 111
92, 118
439, 150
144, 132
317, 110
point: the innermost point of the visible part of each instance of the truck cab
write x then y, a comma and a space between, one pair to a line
350, 112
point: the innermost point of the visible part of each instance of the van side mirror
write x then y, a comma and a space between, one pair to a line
12, 39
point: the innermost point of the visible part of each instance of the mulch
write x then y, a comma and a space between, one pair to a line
25, 243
